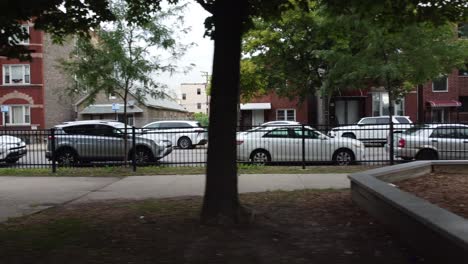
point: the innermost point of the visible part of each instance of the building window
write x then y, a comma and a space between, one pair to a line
464, 103
380, 103
184, 96
198, 91
112, 96
198, 105
440, 85
286, 114
16, 40
17, 115
463, 30
16, 74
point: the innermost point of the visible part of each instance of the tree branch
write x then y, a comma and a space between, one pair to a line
207, 6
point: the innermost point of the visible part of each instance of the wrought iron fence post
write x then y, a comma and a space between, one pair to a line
52, 145
134, 164
303, 147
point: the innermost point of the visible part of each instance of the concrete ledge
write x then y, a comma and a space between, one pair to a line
435, 232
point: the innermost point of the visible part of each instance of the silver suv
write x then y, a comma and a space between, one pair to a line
98, 140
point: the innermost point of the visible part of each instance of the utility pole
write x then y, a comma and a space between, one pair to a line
207, 79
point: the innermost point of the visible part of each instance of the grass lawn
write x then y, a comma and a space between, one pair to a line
305, 226
165, 170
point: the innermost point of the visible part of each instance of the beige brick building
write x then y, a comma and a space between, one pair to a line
194, 97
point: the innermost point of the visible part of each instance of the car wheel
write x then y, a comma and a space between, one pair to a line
260, 157
66, 157
343, 157
427, 154
184, 143
143, 156
349, 135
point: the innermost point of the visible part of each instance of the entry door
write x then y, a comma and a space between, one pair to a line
258, 117
347, 111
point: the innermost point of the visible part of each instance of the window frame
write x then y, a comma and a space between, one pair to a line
9, 66
25, 113
285, 111
26, 41
382, 106
446, 86
271, 134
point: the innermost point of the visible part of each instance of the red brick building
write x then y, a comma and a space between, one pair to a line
32, 93
22, 93
440, 101
272, 107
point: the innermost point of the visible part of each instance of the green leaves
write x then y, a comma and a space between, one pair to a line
117, 58
328, 49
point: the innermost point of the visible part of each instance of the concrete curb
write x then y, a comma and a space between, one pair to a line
433, 231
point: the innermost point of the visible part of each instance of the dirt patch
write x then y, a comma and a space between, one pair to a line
447, 190
290, 227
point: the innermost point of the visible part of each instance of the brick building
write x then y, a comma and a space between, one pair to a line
440, 101
33, 94
272, 107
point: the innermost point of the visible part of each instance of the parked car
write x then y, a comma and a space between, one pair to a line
432, 142
95, 140
184, 134
11, 149
271, 123
284, 144
372, 130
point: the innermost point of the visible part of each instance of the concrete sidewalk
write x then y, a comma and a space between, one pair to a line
26, 195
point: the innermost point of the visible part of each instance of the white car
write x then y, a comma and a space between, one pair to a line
184, 134
372, 130
284, 144
432, 142
11, 149
271, 123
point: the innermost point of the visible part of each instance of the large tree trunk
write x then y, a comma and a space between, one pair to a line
221, 200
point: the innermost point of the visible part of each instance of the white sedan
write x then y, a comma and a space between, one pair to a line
284, 144
11, 149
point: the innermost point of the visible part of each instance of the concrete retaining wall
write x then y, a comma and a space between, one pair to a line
435, 232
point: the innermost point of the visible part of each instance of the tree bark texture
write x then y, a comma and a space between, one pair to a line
221, 201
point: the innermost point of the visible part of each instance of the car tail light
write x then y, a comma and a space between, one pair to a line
401, 143
238, 142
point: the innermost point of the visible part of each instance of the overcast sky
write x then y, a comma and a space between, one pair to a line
201, 54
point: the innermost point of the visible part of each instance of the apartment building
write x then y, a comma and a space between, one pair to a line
194, 97
32, 94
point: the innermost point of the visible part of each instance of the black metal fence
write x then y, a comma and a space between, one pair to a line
299, 145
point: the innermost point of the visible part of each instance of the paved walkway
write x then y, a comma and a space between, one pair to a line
26, 195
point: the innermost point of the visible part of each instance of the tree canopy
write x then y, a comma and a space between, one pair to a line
302, 52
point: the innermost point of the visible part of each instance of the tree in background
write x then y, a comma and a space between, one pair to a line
284, 53
117, 59
202, 118
303, 52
